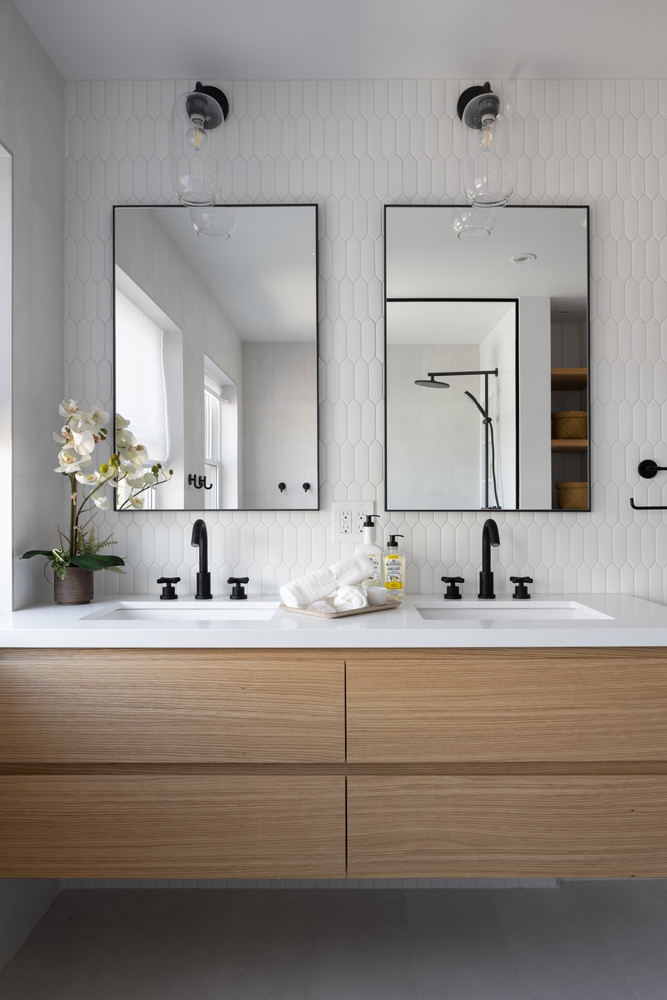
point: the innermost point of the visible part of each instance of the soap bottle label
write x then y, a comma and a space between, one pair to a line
374, 579
393, 575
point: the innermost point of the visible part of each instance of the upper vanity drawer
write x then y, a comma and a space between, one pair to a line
160, 705
507, 705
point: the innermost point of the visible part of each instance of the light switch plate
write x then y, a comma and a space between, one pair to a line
348, 519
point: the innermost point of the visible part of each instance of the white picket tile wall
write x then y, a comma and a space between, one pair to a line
352, 146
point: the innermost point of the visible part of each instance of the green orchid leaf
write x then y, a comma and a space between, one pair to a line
37, 552
93, 562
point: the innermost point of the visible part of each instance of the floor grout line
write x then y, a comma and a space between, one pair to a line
503, 935
603, 939
121, 931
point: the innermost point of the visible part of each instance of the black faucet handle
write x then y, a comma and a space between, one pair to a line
238, 591
169, 590
521, 590
453, 592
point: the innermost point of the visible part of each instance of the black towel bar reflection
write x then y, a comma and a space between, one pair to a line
648, 469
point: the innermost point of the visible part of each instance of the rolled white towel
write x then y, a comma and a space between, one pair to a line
350, 599
307, 589
350, 572
322, 607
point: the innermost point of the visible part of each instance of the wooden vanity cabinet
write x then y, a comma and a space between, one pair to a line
315, 763
171, 763
507, 763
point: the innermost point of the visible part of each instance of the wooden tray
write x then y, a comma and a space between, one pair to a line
341, 614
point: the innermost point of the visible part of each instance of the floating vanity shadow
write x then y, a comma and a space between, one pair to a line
501, 326
215, 353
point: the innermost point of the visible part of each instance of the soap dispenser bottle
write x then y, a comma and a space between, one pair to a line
372, 551
394, 569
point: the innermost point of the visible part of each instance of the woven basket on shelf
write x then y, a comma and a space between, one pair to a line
569, 424
572, 496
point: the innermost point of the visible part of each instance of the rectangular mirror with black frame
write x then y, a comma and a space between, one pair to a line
216, 352
487, 361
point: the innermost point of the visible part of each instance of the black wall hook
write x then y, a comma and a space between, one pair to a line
198, 483
282, 487
306, 487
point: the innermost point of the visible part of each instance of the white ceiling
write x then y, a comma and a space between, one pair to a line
350, 39
438, 323
264, 277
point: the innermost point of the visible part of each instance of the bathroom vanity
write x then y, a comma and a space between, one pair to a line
390, 745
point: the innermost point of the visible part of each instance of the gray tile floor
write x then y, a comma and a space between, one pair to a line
583, 941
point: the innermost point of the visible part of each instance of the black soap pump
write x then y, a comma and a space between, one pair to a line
394, 570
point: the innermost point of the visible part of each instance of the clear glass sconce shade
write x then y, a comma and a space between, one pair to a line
216, 222
488, 164
196, 147
472, 223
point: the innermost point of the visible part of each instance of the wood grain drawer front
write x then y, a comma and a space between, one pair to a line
530, 827
181, 827
511, 705
160, 705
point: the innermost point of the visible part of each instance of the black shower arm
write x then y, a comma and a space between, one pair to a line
491, 371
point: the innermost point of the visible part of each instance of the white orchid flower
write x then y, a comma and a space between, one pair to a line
136, 483
87, 479
64, 436
84, 442
149, 479
137, 502
124, 439
98, 416
70, 461
101, 502
121, 422
68, 407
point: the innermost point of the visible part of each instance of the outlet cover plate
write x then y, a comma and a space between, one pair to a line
348, 517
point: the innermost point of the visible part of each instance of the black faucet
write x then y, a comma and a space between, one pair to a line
489, 538
200, 540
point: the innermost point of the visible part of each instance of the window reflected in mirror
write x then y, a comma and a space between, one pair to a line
216, 353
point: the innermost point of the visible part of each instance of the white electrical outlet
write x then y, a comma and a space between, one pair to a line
348, 519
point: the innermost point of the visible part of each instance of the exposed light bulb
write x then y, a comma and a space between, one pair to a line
196, 136
488, 133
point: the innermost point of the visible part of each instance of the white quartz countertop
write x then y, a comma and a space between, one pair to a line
629, 621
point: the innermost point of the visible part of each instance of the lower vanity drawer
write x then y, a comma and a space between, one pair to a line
185, 826
507, 827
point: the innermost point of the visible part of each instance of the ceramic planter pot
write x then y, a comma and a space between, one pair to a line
76, 588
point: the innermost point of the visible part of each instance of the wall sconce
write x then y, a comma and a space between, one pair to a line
196, 144
487, 170
471, 223
213, 221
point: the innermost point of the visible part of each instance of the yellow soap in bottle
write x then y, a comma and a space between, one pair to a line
394, 570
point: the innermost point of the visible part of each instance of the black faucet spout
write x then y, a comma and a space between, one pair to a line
200, 541
490, 537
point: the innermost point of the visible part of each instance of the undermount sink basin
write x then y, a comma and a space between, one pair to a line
510, 611
173, 612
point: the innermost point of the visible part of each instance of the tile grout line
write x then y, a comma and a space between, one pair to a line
511, 954
603, 939
410, 949
123, 928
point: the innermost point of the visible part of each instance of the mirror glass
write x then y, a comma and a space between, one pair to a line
215, 352
486, 363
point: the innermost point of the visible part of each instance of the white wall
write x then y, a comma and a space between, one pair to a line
279, 413
353, 146
498, 350
31, 112
433, 434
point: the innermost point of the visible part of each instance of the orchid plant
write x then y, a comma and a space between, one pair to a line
82, 431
